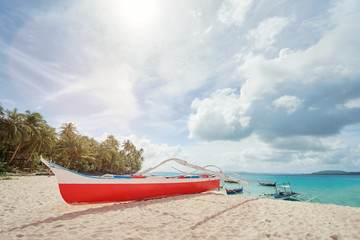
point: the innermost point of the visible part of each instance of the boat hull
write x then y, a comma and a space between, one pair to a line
267, 185
95, 193
234, 191
79, 188
290, 197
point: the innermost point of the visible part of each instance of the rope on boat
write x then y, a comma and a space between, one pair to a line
203, 169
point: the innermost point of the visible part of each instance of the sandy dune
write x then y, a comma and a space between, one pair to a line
32, 208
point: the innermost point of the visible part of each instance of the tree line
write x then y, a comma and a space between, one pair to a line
24, 137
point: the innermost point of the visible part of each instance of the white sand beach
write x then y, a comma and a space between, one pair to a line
32, 208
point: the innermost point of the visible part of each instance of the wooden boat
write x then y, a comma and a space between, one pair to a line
267, 184
80, 188
234, 191
229, 181
286, 192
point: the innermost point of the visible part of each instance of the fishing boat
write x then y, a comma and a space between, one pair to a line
286, 192
267, 184
229, 181
234, 191
80, 188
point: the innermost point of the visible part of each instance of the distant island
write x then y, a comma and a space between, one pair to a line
335, 172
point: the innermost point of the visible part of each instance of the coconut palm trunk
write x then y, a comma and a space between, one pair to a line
16, 150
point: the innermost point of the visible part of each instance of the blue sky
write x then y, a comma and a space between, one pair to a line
261, 86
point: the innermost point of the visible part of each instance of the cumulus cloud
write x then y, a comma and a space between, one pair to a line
308, 84
292, 154
264, 36
234, 11
156, 153
282, 80
223, 113
353, 103
290, 103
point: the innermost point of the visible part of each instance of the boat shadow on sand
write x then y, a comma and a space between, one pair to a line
134, 204
109, 207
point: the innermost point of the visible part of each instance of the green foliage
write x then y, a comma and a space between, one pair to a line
25, 137
4, 176
133, 157
82, 165
3, 171
3, 167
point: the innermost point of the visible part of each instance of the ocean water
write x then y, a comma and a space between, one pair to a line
341, 190
329, 189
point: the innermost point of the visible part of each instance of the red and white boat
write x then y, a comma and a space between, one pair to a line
80, 188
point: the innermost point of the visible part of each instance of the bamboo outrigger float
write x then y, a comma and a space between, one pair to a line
80, 188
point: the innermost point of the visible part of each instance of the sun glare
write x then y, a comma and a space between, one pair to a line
139, 14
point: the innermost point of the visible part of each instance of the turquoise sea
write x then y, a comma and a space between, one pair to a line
329, 189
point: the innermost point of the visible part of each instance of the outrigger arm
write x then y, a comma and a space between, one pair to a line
184, 163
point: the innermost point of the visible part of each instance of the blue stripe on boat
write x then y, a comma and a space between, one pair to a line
84, 175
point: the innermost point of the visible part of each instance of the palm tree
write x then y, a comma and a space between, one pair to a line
2, 125
132, 157
16, 130
42, 139
68, 130
35, 122
105, 155
72, 146
48, 138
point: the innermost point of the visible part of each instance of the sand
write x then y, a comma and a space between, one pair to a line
32, 208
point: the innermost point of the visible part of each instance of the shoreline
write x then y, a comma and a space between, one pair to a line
32, 208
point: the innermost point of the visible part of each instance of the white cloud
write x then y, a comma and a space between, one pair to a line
290, 103
182, 69
251, 154
155, 153
264, 36
254, 155
106, 69
220, 116
7, 101
74, 76
353, 103
97, 65
111, 67
234, 11
316, 73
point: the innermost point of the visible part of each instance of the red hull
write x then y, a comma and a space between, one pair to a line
95, 193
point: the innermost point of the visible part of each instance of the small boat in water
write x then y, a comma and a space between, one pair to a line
229, 181
286, 192
80, 188
267, 184
234, 191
